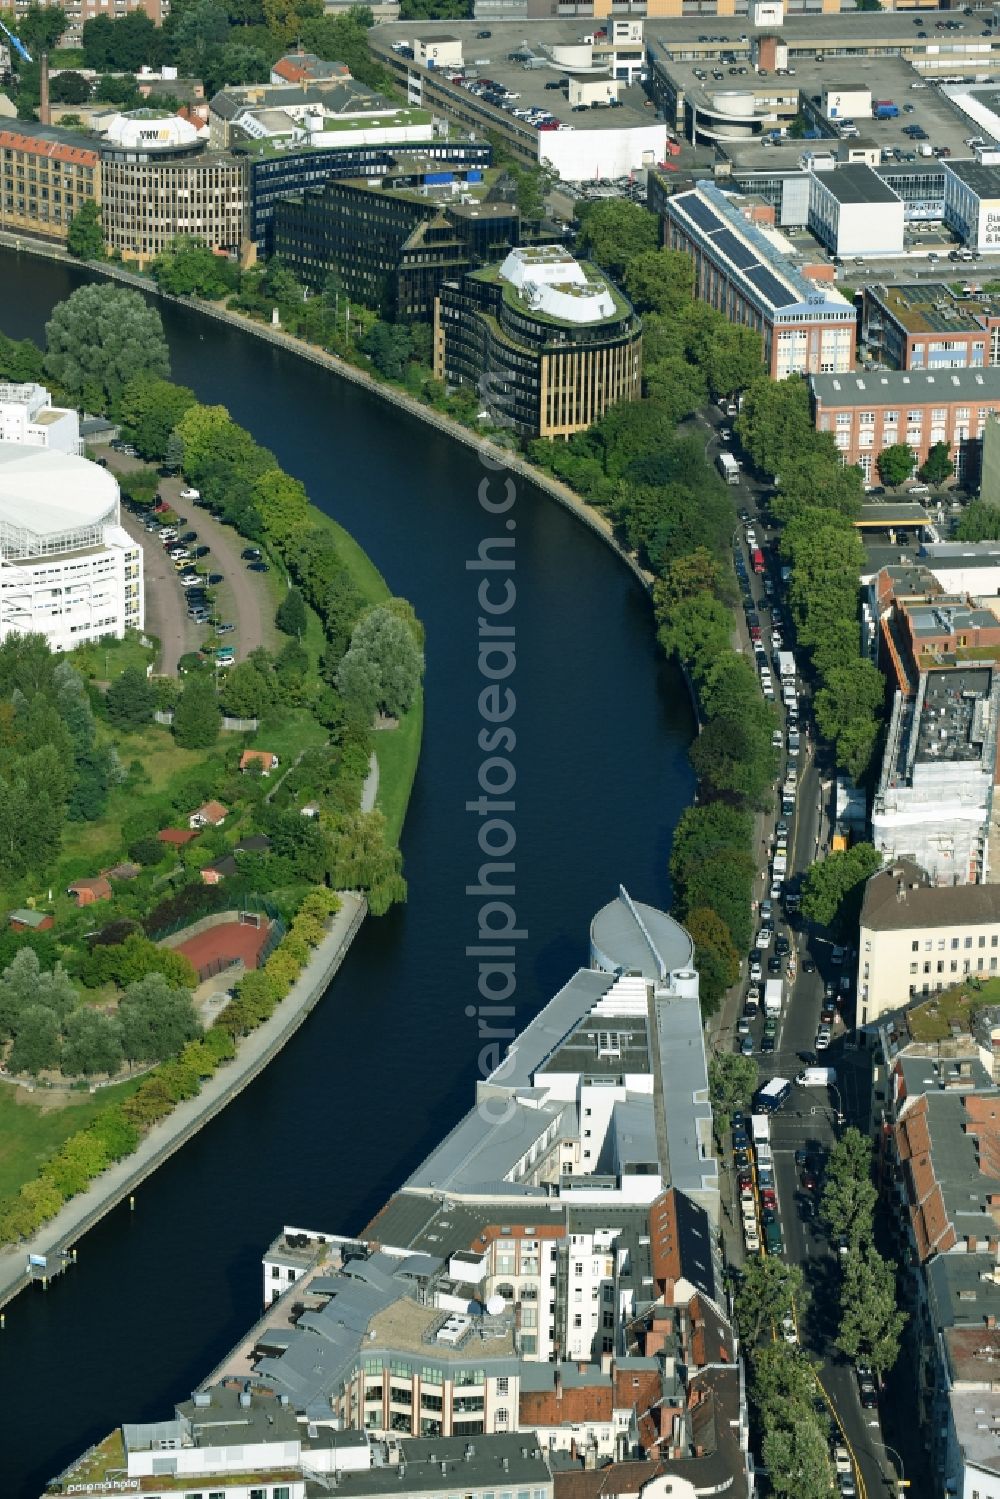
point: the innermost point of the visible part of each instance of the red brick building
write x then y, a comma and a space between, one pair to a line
866, 413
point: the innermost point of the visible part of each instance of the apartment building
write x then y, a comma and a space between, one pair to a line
938, 1134
79, 12
547, 340
928, 631
46, 175
918, 938
806, 326
868, 412
927, 327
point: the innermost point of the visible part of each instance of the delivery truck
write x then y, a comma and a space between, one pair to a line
885, 109
760, 1129
786, 665
770, 1098
773, 997
728, 468
817, 1077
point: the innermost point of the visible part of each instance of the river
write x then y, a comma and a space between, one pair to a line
388, 1061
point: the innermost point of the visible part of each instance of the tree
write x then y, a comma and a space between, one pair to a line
732, 358
383, 665
125, 44
291, 614
118, 89
871, 1325
131, 699
99, 339
173, 456
91, 1045
284, 509
36, 1044
150, 410
716, 958
247, 691
40, 27
69, 87
388, 347
833, 889
767, 1288
196, 717
784, 1379
849, 1195
613, 232
733, 754
156, 1019
895, 463
798, 1460
732, 1081
660, 281
775, 421
979, 521
187, 266
85, 239
24, 984
937, 466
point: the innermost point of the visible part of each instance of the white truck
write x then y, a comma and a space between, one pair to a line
728, 468
779, 867
786, 665
760, 1129
773, 997
817, 1077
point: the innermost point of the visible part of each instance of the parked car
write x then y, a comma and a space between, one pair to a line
755, 970
258, 567
251, 554
225, 629
746, 1046
823, 1038
808, 1180
190, 494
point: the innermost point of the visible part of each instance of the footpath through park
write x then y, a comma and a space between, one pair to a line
81, 1213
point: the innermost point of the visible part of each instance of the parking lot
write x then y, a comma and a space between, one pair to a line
242, 598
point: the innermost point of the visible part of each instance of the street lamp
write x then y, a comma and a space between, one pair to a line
902, 1482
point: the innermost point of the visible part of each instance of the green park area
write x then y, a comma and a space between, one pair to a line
129, 812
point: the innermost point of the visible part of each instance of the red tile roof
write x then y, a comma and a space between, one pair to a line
177, 836
54, 150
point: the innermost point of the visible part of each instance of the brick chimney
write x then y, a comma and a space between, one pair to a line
44, 108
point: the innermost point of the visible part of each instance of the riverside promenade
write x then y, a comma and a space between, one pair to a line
82, 1212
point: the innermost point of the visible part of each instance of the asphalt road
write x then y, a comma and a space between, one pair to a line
809, 1119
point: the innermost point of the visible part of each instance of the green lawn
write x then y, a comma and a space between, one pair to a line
287, 735
28, 1136
102, 662
398, 751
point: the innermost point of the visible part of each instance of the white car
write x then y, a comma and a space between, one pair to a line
822, 1038
189, 582
752, 1239
756, 971
764, 937
190, 494
842, 1459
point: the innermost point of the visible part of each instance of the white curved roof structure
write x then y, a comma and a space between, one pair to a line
52, 502
552, 282
152, 132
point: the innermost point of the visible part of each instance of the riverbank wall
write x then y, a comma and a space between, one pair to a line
55, 1240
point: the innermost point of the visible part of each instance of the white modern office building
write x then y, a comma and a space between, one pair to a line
27, 415
68, 569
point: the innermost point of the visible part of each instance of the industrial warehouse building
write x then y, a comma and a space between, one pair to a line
807, 326
68, 569
547, 340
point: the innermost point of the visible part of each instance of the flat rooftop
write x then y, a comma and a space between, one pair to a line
954, 718
856, 183
983, 180
945, 617
932, 307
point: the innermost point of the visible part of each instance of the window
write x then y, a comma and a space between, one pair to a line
503, 1384
502, 1415
954, 944
968, 942
914, 946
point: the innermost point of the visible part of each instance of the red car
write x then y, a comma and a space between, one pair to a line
808, 1181
768, 1198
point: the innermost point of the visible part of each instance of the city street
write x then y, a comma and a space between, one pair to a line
809, 1120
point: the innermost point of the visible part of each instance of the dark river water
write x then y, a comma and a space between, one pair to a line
388, 1061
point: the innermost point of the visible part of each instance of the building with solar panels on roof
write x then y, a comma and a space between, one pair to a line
807, 326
